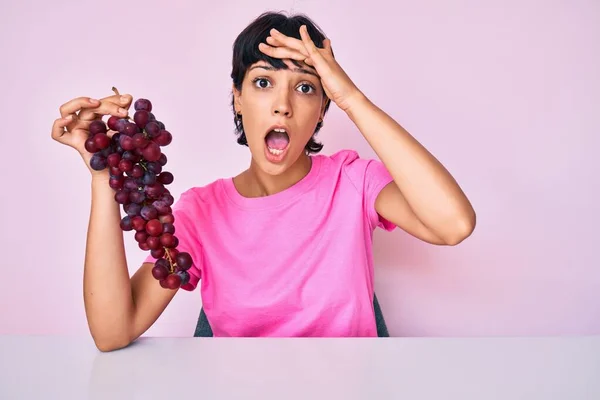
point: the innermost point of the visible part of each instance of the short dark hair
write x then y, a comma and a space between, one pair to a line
246, 53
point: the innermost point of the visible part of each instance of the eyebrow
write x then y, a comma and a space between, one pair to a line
298, 70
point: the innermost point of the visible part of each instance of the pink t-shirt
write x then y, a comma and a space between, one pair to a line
296, 263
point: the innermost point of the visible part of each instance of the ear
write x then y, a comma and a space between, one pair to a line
325, 102
237, 101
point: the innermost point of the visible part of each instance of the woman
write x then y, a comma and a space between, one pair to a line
283, 248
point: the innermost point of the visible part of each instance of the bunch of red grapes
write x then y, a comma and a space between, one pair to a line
135, 161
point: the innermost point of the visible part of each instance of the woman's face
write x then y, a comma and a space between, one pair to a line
290, 99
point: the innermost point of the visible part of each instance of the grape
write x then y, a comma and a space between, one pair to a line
120, 124
112, 123
153, 242
97, 162
173, 281
130, 184
155, 190
184, 276
130, 129
151, 152
132, 209
122, 196
96, 127
127, 142
153, 129
160, 271
154, 228
167, 240
168, 219
164, 138
168, 199
140, 141
165, 178
158, 253
161, 207
168, 228
142, 105
137, 196
141, 236
116, 182
114, 171
149, 178
137, 171
132, 153
101, 140
139, 223
184, 261
149, 212
154, 167
125, 165
141, 118
126, 223
90, 145
162, 160
113, 159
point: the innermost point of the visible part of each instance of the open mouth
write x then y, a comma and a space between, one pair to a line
277, 142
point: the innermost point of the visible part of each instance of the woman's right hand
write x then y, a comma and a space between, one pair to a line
77, 115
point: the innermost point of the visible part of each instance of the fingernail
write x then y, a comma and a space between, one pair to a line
124, 99
94, 101
68, 117
122, 111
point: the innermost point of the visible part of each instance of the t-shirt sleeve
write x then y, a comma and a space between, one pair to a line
186, 232
369, 176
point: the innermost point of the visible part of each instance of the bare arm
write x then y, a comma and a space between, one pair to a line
118, 309
427, 201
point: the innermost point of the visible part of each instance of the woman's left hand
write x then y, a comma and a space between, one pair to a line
336, 83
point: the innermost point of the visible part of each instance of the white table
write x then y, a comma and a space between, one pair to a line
39, 367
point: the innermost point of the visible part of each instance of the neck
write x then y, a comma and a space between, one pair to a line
254, 182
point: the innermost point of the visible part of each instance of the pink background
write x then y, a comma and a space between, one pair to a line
505, 93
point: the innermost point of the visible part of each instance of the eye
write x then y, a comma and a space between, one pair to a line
260, 80
307, 87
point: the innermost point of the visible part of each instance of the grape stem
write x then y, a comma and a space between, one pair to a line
170, 259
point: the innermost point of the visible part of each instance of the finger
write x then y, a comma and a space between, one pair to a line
106, 108
287, 41
309, 62
327, 45
281, 52
58, 128
77, 104
312, 50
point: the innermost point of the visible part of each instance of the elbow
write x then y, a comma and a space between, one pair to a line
112, 344
464, 228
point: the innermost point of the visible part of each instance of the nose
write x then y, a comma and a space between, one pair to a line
282, 106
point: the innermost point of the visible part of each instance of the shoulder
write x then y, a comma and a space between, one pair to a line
341, 157
350, 163
197, 196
